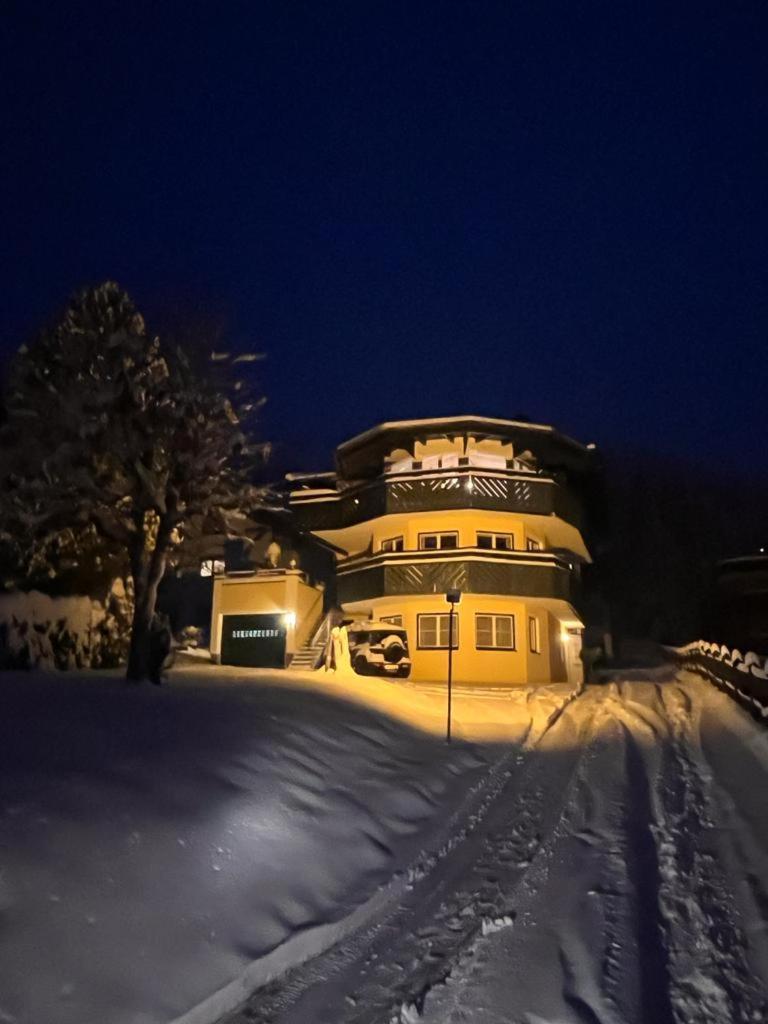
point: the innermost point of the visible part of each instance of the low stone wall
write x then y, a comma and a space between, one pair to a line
742, 675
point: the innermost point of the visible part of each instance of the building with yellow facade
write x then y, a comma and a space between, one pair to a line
483, 506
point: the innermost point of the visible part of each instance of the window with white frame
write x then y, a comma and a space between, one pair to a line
534, 635
438, 541
497, 541
495, 632
532, 544
432, 631
393, 544
212, 567
393, 620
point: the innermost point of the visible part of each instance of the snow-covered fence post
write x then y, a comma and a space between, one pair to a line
743, 676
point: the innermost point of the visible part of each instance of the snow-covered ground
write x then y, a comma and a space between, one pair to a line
620, 875
164, 851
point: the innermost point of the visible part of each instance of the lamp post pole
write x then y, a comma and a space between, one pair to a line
452, 597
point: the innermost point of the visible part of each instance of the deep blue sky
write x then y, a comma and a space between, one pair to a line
414, 208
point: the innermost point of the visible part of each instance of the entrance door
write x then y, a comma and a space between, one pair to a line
254, 640
573, 663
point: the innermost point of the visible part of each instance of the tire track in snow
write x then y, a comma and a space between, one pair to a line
630, 816
644, 871
713, 981
518, 833
741, 810
544, 973
673, 949
388, 969
707, 964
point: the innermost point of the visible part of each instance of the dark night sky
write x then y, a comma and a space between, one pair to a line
414, 208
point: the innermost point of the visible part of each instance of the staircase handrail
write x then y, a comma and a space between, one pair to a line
323, 632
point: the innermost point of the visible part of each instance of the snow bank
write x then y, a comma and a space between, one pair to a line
156, 844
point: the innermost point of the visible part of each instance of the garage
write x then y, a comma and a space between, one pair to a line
257, 641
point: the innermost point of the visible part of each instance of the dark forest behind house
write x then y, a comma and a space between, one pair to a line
659, 528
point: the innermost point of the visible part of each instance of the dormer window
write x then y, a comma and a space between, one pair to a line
393, 544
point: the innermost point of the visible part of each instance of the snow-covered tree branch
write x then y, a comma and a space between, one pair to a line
110, 430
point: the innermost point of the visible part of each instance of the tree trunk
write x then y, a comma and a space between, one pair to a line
138, 652
147, 569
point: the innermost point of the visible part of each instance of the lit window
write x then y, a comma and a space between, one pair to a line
392, 544
212, 567
534, 636
438, 541
499, 541
495, 632
393, 620
433, 631
533, 545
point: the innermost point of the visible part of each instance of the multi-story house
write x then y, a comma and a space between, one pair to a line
482, 506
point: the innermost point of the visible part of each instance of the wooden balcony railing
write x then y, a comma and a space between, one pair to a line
471, 570
501, 491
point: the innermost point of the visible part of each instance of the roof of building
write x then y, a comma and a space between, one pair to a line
362, 455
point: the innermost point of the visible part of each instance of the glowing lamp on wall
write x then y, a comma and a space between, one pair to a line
290, 619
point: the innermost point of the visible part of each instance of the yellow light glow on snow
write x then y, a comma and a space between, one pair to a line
479, 714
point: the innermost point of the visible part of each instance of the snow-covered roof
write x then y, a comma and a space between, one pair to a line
308, 477
362, 454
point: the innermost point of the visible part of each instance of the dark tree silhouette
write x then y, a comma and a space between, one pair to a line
109, 430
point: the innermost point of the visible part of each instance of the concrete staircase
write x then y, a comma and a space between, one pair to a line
309, 656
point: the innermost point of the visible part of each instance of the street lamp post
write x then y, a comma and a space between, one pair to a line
452, 597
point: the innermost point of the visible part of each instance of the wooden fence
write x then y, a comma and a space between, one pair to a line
743, 676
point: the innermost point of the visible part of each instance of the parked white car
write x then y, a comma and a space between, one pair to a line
378, 648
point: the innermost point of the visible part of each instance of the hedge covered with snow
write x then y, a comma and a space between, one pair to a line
39, 631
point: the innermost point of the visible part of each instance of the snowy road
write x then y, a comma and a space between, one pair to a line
618, 874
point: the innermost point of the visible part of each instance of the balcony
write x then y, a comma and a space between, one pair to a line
471, 570
459, 487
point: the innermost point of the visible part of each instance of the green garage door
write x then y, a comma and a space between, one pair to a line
255, 640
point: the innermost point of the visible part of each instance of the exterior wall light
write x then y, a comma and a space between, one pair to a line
290, 619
